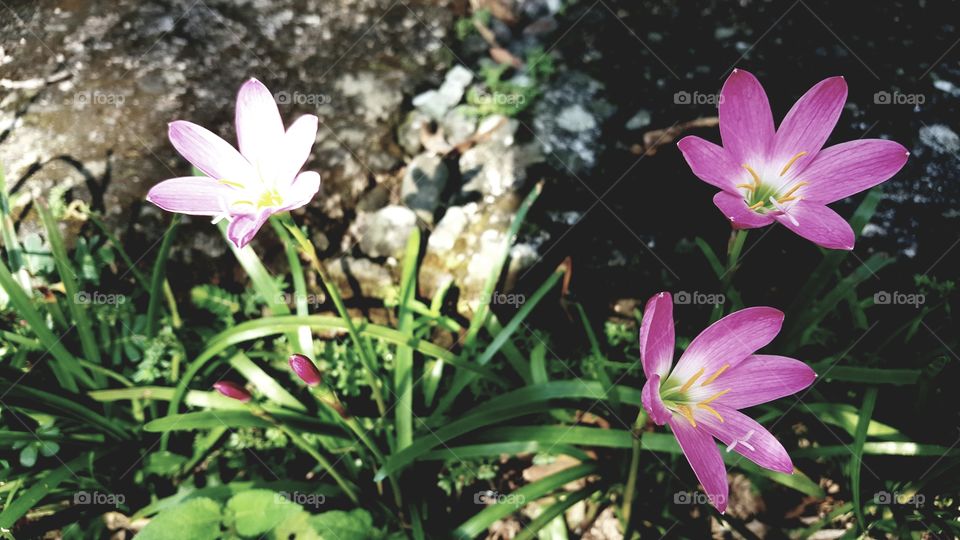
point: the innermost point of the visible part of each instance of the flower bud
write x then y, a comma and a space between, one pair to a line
232, 390
305, 369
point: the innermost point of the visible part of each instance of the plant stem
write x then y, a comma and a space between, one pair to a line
630, 489
296, 439
737, 239
366, 356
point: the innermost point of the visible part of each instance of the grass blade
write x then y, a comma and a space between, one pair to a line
403, 368
856, 462
267, 385
157, 277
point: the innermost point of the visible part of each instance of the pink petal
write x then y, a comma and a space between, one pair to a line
758, 379
295, 150
705, 459
809, 123
711, 163
746, 123
657, 336
301, 191
194, 195
728, 341
819, 224
740, 216
851, 167
244, 227
650, 397
259, 127
754, 442
209, 153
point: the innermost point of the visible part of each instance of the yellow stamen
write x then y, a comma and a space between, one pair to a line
243, 202
791, 162
756, 205
753, 173
687, 413
230, 183
710, 410
689, 383
787, 196
715, 375
714, 397
751, 187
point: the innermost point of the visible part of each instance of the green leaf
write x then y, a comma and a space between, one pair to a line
157, 277
13, 511
296, 526
266, 384
28, 456
403, 366
339, 525
257, 511
239, 418
196, 519
856, 461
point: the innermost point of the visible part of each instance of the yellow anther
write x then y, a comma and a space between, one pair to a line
230, 183
243, 202
751, 187
787, 196
714, 397
753, 173
710, 410
687, 413
791, 162
690, 382
715, 375
756, 205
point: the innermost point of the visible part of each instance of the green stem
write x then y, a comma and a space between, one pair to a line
630, 489
157, 278
366, 355
737, 239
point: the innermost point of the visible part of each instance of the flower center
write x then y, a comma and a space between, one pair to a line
678, 400
259, 196
764, 197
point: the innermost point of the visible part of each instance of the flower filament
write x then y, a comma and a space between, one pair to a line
685, 407
765, 197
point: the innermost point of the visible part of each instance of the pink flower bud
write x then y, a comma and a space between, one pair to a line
232, 390
305, 369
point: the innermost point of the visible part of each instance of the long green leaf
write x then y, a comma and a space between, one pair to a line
273, 390
403, 367
519, 498
856, 460
299, 285
564, 502
235, 418
57, 404
40, 489
157, 278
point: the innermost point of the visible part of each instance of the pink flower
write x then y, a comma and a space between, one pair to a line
716, 376
248, 186
305, 369
232, 390
786, 175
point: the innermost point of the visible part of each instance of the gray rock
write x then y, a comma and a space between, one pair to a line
458, 126
567, 120
448, 229
940, 138
408, 132
496, 165
639, 121
436, 103
110, 76
373, 280
384, 233
423, 182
